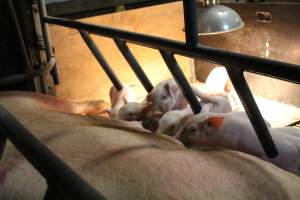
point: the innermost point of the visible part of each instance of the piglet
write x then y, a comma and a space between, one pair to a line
166, 96
234, 131
118, 99
217, 81
172, 121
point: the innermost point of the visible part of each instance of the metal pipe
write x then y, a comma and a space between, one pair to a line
20, 38
190, 22
44, 69
46, 37
101, 60
45, 161
252, 110
133, 63
280, 70
2, 145
181, 81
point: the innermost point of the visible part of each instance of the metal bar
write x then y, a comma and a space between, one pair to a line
55, 193
46, 162
190, 22
133, 63
101, 60
297, 123
20, 38
2, 144
44, 69
280, 70
89, 8
181, 81
46, 36
252, 110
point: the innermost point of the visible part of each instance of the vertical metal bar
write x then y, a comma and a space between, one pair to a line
2, 143
100, 58
183, 84
190, 22
20, 38
137, 69
252, 110
55, 193
46, 36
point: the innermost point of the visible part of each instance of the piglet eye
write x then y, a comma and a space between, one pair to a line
209, 124
193, 129
164, 96
130, 115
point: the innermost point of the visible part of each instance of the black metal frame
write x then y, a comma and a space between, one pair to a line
235, 64
76, 9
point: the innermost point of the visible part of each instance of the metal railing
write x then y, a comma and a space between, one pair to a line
235, 64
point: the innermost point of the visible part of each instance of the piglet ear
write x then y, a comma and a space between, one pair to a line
171, 89
147, 100
185, 119
183, 122
215, 122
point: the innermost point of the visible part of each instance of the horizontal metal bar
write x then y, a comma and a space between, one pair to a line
101, 60
46, 162
276, 69
44, 69
135, 66
252, 110
181, 81
89, 8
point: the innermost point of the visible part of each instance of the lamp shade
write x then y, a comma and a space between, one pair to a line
217, 19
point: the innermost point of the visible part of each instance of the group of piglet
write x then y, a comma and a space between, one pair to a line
165, 110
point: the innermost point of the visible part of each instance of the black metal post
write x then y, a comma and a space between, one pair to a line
181, 81
2, 143
18, 30
248, 101
49, 52
190, 22
284, 71
137, 69
55, 193
46, 162
101, 60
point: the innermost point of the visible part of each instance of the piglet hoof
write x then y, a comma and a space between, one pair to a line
124, 95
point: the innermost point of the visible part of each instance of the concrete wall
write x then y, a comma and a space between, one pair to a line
81, 76
279, 40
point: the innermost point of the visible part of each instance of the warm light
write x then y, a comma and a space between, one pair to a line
221, 12
267, 49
